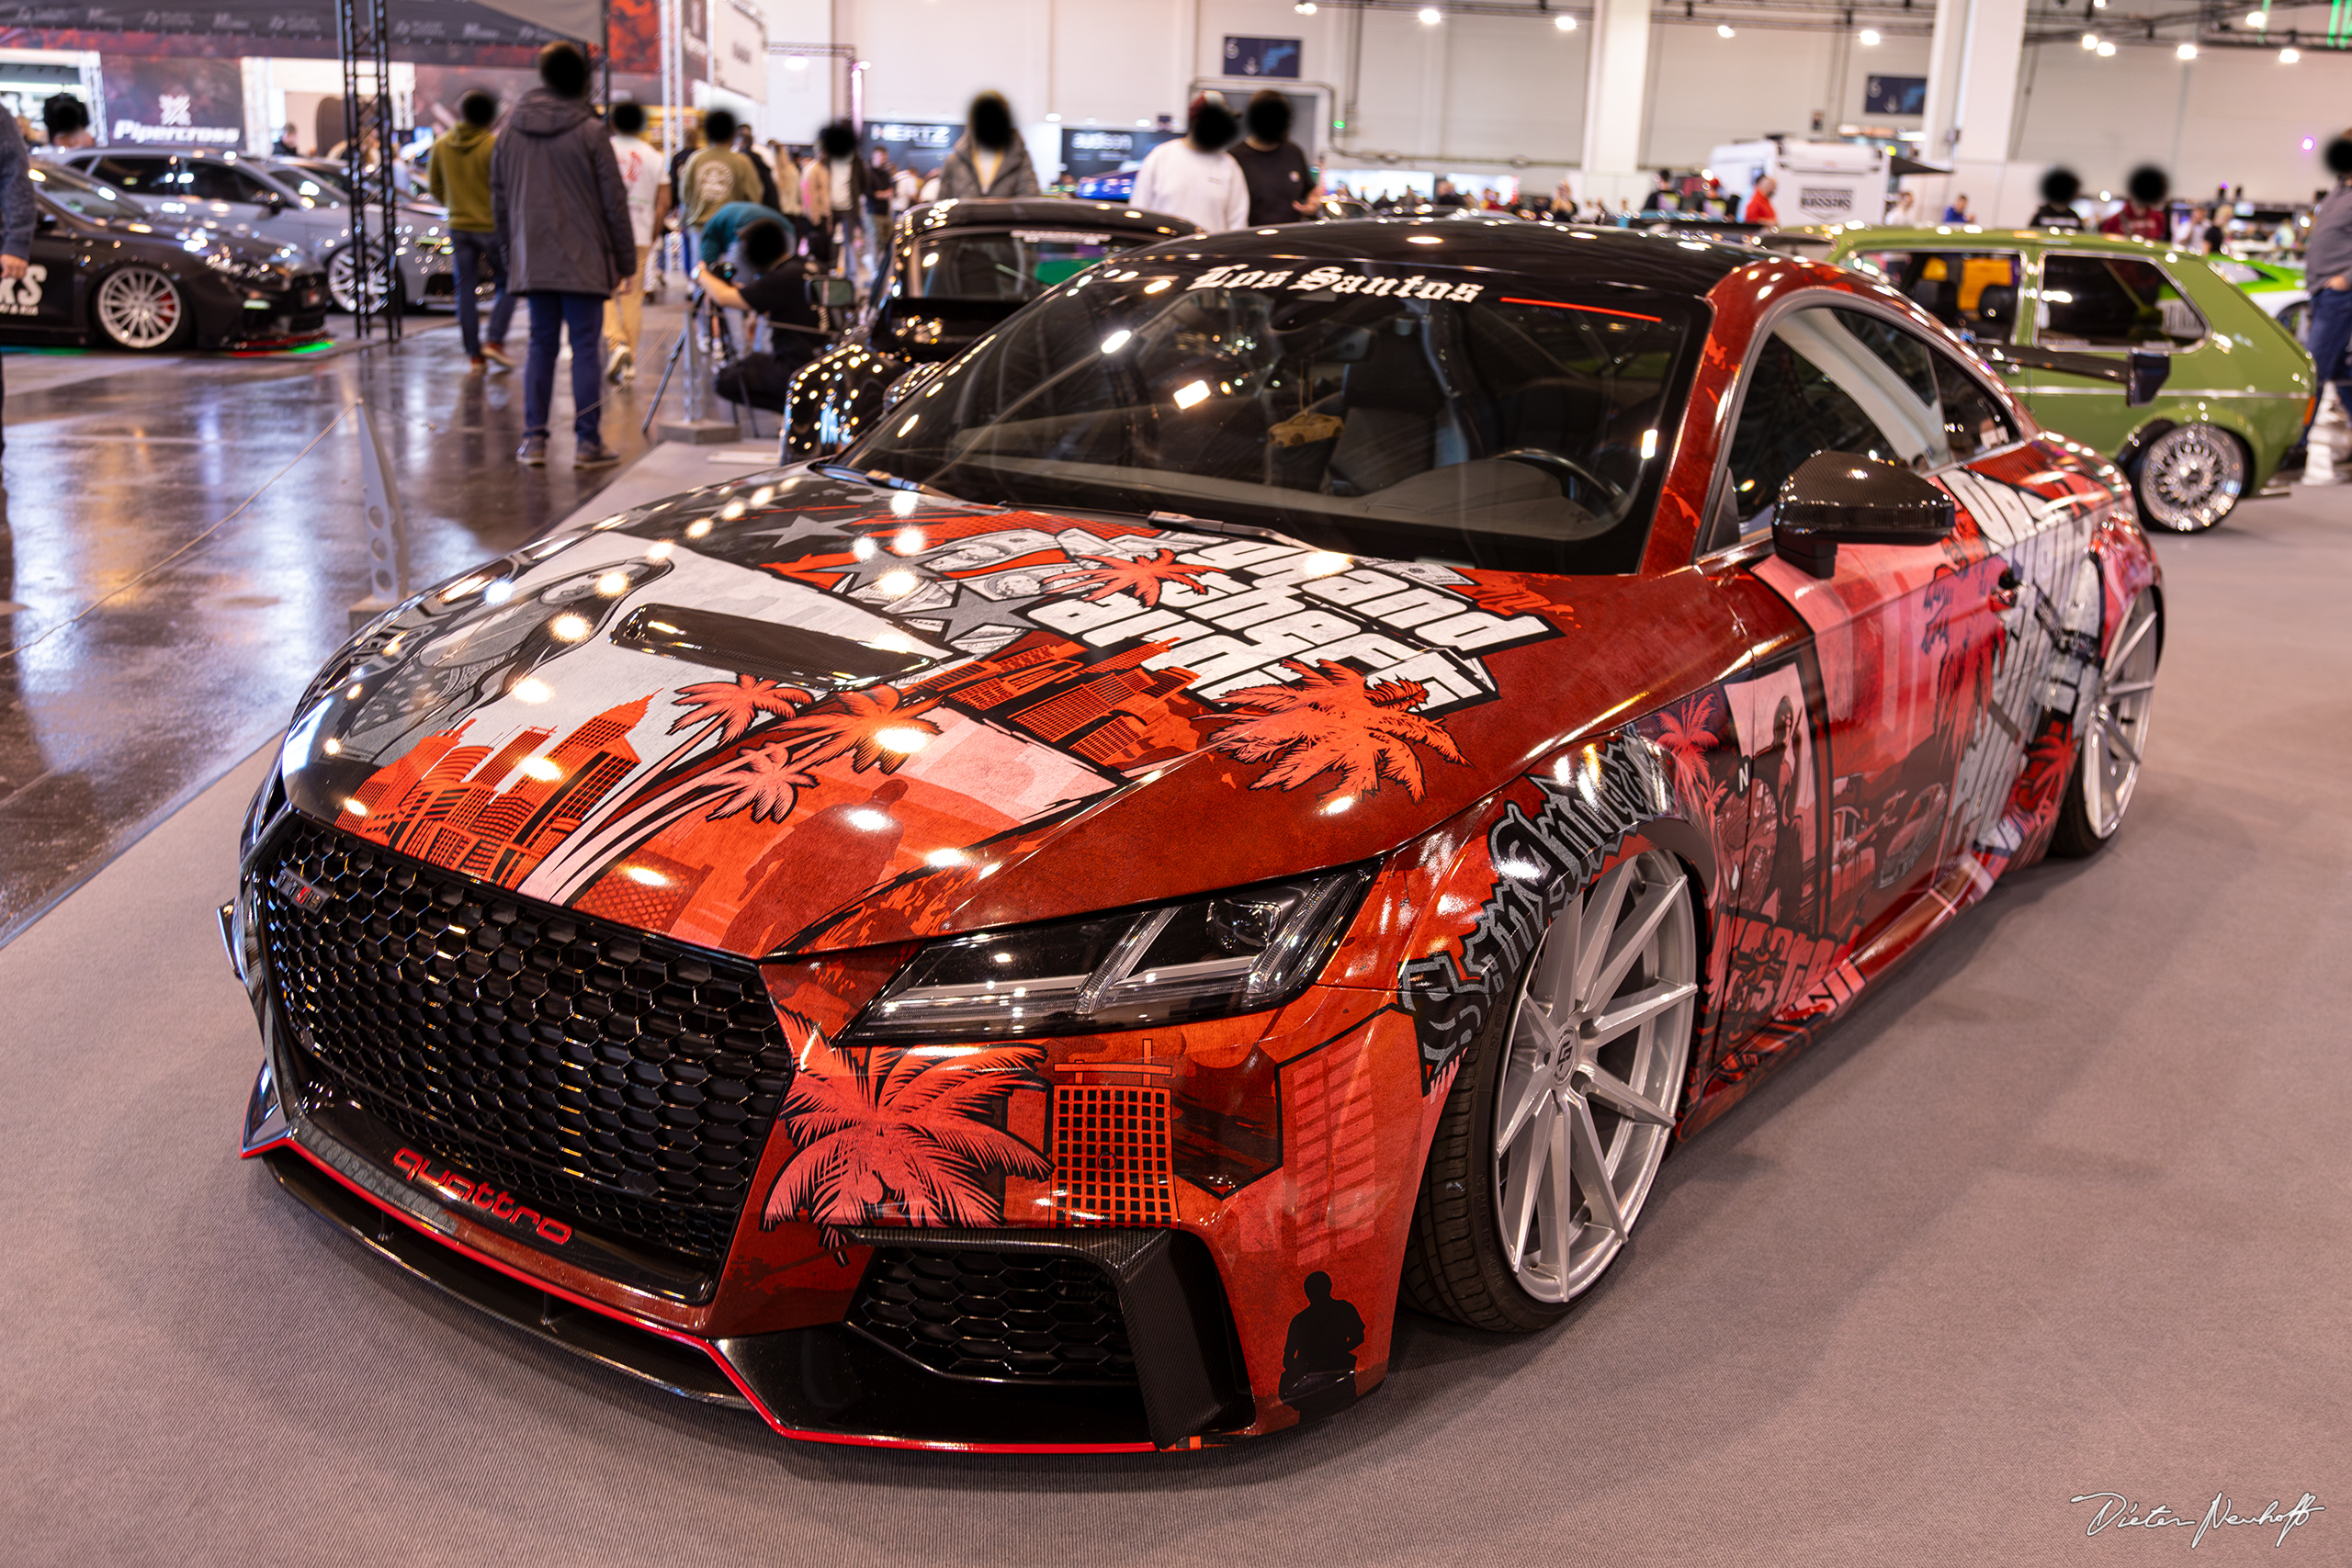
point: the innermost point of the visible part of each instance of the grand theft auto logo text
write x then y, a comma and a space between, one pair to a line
21, 296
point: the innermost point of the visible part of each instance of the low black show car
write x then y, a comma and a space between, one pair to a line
956, 269
104, 271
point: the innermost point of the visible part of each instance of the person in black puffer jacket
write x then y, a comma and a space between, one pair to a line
563, 224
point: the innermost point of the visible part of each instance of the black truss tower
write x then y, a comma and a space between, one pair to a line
366, 38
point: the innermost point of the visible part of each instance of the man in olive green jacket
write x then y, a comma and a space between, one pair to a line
458, 174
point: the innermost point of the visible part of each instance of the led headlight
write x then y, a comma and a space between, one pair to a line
1242, 950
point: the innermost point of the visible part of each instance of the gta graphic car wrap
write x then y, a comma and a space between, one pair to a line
946, 963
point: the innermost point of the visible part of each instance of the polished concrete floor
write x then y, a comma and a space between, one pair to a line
2060, 1210
180, 541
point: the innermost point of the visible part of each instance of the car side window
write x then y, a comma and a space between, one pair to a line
141, 175
2106, 301
1972, 292
1973, 422
1830, 380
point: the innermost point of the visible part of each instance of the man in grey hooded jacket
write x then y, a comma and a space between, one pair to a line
562, 214
989, 159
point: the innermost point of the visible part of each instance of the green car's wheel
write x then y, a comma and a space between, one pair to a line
2189, 477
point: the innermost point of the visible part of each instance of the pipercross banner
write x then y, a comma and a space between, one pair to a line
173, 103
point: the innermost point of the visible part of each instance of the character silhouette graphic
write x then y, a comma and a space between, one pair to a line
1320, 1357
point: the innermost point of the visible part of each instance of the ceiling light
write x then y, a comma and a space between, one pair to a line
1304, 7
1052, 119
2288, 57
2090, 40
1723, 29
1431, 16
1870, 38
2258, 19
1186, 396
1564, 22
2106, 52
796, 62
2186, 52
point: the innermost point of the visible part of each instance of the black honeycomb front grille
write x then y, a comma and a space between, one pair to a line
625, 1081
997, 1317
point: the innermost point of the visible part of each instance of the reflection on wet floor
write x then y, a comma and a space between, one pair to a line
180, 543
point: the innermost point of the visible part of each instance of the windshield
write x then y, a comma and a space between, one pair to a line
77, 195
313, 180
1015, 263
1498, 422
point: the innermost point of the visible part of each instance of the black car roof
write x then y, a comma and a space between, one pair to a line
1564, 252
1045, 212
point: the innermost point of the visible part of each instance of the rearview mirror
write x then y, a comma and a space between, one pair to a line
1836, 497
2146, 377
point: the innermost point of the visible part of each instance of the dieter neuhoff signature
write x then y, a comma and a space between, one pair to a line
2116, 1511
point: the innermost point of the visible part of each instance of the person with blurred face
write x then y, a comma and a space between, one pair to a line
640, 165
770, 281
990, 160
563, 225
834, 190
715, 176
1283, 188
2327, 273
1193, 178
2141, 217
457, 174
2059, 189
67, 121
1759, 206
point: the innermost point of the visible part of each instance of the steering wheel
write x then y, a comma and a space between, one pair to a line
1564, 469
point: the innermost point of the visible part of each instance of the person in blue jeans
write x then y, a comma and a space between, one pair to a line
2327, 273
457, 172
563, 222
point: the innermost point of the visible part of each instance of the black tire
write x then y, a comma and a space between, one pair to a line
1455, 1262
140, 309
2092, 810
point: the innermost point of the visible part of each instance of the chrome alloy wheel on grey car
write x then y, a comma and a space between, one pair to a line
140, 307
2189, 477
1599, 1036
341, 270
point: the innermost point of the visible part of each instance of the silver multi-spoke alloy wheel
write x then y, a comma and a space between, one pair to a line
1598, 1039
2191, 477
2118, 733
140, 307
341, 270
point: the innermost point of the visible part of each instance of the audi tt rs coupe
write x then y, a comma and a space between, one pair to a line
1280, 780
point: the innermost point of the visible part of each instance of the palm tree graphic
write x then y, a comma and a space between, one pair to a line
1334, 721
1117, 574
899, 1138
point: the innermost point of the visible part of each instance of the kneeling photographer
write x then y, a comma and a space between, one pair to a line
770, 281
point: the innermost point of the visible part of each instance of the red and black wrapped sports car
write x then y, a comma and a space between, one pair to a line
1284, 777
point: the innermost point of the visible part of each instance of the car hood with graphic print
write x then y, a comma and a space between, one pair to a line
804, 712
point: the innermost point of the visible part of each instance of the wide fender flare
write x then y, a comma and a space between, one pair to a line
1519, 856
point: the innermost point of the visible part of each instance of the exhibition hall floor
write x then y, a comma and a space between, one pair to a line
2059, 1211
181, 541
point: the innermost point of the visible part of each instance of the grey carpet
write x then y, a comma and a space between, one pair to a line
2061, 1210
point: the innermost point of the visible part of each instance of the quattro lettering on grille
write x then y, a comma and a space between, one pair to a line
479, 1197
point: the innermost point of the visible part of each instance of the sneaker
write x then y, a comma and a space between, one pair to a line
534, 451
598, 455
496, 353
618, 364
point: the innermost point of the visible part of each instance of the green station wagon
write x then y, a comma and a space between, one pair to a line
2135, 349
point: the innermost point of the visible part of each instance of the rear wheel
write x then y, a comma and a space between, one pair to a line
140, 309
343, 284
2107, 758
2189, 477
1562, 1110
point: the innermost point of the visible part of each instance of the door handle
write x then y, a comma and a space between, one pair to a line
2004, 588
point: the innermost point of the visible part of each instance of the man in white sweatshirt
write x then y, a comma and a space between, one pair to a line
1195, 178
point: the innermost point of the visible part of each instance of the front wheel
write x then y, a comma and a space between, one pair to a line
2107, 758
140, 309
2189, 477
343, 269
1561, 1110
